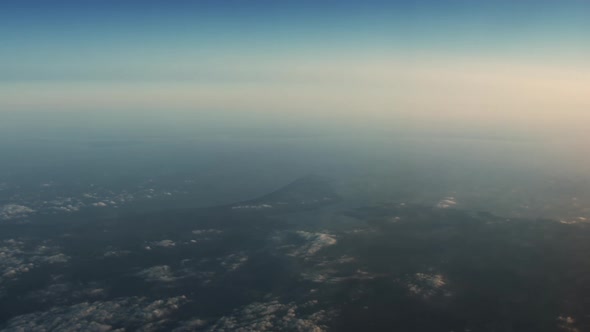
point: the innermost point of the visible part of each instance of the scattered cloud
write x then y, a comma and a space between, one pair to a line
427, 285
160, 273
65, 292
111, 252
18, 256
164, 243
206, 231
332, 276
314, 243
272, 316
114, 315
15, 211
191, 325
344, 259
447, 202
27, 203
234, 261
253, 207
578, 220
205, 234
567, 323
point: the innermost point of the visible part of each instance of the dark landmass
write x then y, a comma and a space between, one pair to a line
247, 265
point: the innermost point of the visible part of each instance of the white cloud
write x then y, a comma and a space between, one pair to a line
204, 234
574, 221
427, 285
447, 202
159, 273
206, 231
164, 243
57, 258
67, 208
15, 211
314, 243
116, 253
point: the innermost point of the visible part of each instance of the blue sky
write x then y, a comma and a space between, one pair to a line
513, 65
88, 39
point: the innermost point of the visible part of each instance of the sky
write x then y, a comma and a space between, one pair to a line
508, 67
